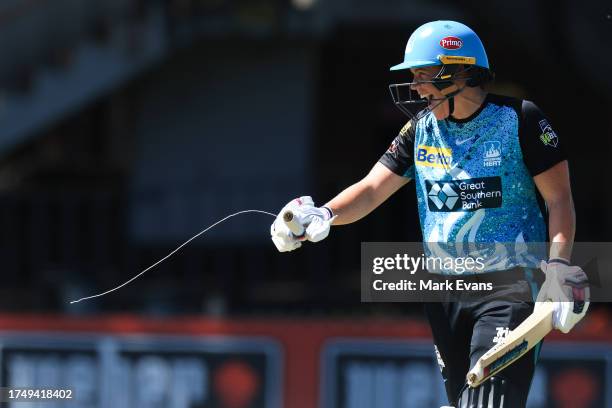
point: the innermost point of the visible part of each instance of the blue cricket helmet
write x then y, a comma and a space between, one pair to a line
442, 43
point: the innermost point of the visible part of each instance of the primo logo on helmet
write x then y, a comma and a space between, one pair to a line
451, 43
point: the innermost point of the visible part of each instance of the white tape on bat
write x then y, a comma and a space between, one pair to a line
293, 224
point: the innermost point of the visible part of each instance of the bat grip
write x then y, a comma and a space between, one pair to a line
292, 223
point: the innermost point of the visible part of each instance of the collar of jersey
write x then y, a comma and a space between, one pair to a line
473, 115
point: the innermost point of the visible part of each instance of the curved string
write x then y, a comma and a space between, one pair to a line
172, 253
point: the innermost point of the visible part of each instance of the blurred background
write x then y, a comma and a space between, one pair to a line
127, 126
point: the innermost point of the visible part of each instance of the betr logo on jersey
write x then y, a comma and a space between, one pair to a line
432, 156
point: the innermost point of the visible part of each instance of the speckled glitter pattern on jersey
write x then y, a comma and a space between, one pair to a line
473, 185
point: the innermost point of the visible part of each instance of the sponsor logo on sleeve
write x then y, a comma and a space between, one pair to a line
451, 43
548, 136
432, 156
464, 195
492, 153
405, 129
393, 149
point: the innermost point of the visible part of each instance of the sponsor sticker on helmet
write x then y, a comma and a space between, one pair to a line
451, 43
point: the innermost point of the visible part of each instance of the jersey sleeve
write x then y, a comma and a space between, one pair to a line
541, 146
399, 157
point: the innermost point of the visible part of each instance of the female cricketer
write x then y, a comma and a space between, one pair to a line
505, 150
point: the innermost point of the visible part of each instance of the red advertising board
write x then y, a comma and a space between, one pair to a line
294, 363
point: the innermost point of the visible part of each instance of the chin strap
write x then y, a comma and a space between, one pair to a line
443, 81
449, 93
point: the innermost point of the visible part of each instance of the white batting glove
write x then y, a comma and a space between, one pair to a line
568, 287
283, 238
316, 222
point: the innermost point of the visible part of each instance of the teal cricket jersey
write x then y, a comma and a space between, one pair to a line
474, 180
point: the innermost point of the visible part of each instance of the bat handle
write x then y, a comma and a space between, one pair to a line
292, 223
472, 378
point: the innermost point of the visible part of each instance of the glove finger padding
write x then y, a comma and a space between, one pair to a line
295, 204
542, 294
318, 229
282, 237
316, 220
577, 286
564, 318
285, 245
568, 287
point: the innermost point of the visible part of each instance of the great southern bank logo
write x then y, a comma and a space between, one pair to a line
442, 195
432, 156
464, 195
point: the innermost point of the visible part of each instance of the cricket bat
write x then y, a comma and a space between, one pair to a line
292, 223
518, 342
